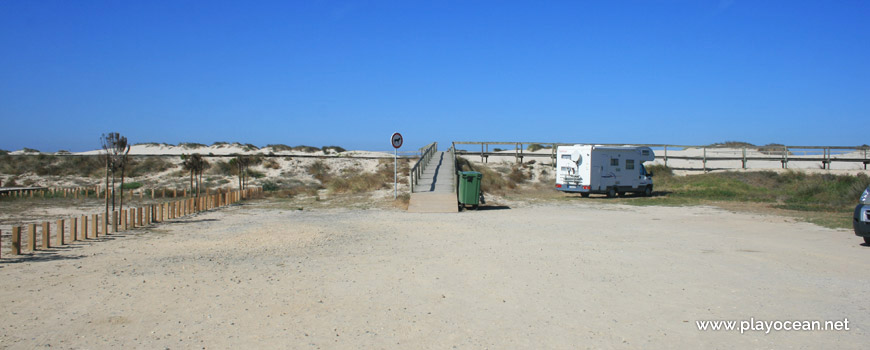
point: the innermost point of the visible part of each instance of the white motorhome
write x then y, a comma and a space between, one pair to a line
603, 169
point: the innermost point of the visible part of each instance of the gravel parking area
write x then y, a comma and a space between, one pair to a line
557, 276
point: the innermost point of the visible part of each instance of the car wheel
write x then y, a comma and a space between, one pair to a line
647, 191
584, 195
866, 240
611, 192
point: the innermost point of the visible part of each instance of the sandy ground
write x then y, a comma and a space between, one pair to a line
577, 275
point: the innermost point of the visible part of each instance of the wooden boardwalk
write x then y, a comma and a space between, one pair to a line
434, 191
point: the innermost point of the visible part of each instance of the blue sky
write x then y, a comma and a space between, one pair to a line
351, 73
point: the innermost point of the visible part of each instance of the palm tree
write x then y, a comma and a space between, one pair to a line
116, 149
195, 164
188, 162
201, 166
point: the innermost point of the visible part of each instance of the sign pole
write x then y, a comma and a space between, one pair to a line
396, 140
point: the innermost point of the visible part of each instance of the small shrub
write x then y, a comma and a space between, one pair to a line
270, 186
29, 150
222, 167
659, 170
336, 149
191, 145
536, 146
279, 147
131, 185
518, 176
306, 149
148, 165
271, 164
256, 174
732, 144
319, 170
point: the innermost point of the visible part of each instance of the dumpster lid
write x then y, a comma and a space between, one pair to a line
470, 173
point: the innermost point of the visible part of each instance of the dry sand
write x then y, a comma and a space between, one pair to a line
575, 275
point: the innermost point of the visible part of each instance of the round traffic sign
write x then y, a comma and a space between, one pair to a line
396, 140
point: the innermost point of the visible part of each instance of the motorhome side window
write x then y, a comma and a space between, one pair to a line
629, 164
566, 156
614, 162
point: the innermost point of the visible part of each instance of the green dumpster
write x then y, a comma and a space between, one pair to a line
469, 188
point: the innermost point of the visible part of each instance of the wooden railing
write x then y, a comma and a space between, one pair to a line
824, 155
426, 154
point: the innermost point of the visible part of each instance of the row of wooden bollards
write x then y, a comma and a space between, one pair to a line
94, 192
95, 225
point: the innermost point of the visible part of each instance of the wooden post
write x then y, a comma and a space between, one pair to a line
31, 235
785, 157
666, 156
139, 212
705, 159
115, 221
105, 223
123, 222
84, 227
828, 158
60, 229
95, 221
73, 230
16, 240
163, 193
744, 157
46, 231
174, 193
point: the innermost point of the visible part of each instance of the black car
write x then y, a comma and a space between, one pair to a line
861, 219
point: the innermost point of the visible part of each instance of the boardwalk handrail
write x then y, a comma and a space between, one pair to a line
782, 153
452, 152
426, 154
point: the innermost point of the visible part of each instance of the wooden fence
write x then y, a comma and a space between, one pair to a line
783, 155
93, 226
96, 191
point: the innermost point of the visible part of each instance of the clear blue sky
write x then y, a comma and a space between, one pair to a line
352, 72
